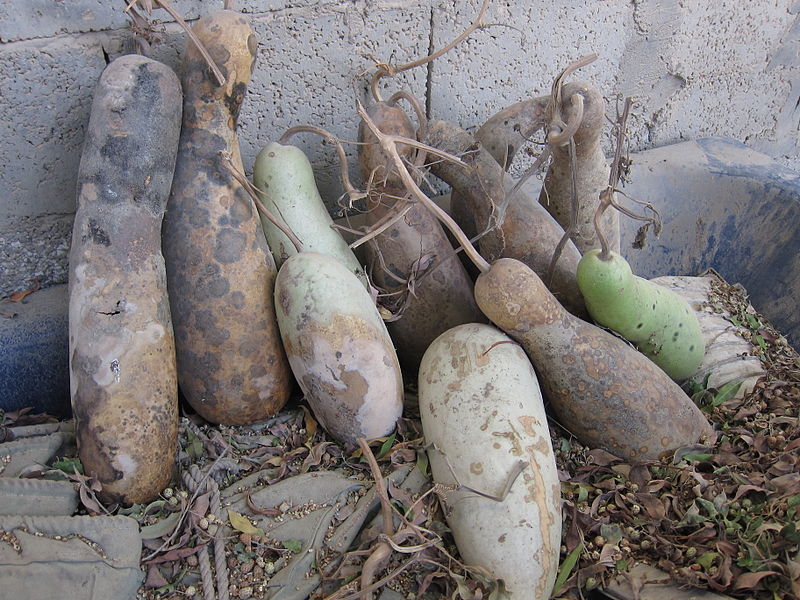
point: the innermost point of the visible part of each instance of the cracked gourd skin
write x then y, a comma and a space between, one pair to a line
605, 392
123, 378
657, 321
338, 348
284, 175
481, 407
231, 365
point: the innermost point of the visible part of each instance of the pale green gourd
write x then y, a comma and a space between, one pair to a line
657, 321
285, 180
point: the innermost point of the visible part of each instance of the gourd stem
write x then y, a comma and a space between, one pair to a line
568, 129
344, 169
605, 201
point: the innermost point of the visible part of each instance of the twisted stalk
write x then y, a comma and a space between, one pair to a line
388, 143
344, 174
387, 70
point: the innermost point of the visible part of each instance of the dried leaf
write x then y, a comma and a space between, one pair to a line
747, 581
602, 458
243, 524
652, 505
199, 508
161, 528
310, 423
20, 296
786, 484
261, 510
154, 578
175, 554
91, 504
314, 457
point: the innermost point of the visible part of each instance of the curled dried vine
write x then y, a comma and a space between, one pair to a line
619, 167
388, 143
385, 69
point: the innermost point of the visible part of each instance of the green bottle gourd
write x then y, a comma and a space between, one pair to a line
657, 321
285, 178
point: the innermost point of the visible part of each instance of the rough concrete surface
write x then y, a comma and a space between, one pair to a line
37, 497
697, 69
91, 558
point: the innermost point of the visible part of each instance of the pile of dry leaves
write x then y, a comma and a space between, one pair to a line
724, 516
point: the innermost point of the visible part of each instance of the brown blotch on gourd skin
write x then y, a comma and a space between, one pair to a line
220, 271
314, 353
443, 298
122, 357
611, 396
527, 233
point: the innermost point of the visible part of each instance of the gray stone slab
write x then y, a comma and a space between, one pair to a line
34, 368
32, 451
25, 431
37, 497
81, 558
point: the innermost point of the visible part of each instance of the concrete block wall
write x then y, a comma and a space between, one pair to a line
697, 68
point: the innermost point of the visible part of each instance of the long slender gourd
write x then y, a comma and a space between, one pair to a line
287, 187
121, 348
591, 172
441, 298
231, 366
605, 392
502, 135
524, 230
505, 132
655, 319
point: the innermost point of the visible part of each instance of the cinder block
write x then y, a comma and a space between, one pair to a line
44, 108
34, 349
34, 248
37, 19
309, 71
